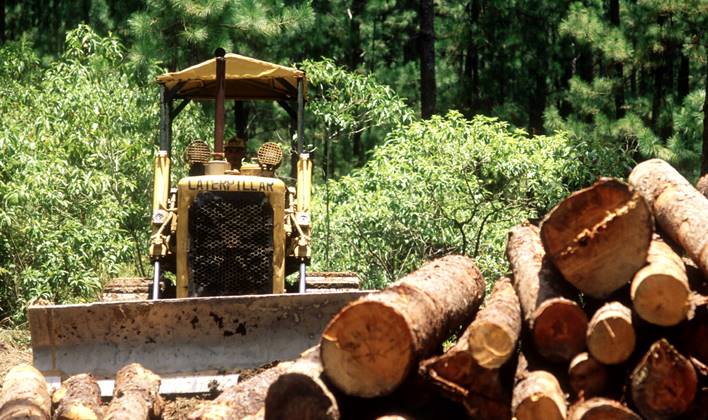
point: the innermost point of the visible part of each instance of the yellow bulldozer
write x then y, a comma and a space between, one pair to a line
229, 234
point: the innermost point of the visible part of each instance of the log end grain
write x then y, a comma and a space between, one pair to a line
494, 333
587, 376
24, 394
538, 396
491, 344
559, 329
660, 298
664, 382
610, 336
367, 349
599, 237
601, 409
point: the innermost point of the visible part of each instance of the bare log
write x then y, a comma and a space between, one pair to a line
24, 394
78, 398
244, 399
663, 384
587, 376
702, 185
135, 395
371, 345
599, 236
461, 378
301, 392
537, 394
601, 409
660, 292
680, 210
611, 338
556, 321
495, 331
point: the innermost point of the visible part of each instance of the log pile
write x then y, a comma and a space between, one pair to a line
603, 315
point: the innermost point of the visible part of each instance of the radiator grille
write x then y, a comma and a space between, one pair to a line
231, 244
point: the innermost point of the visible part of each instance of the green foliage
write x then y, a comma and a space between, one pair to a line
441, 186
77, 143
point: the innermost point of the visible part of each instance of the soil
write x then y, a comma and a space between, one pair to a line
14, 350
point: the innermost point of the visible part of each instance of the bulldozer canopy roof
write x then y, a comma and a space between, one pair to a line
246, 78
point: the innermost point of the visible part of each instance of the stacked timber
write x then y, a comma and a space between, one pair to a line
603, 315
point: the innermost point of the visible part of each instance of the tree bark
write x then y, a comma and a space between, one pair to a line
78, 398
244, 399
371, 345
537, 394
660, 292
556, 322
682, 87
24, 395
601, 409
611, 338
587, 376
135, 395
663, 384
301, 392
599, 237
458, 375
680, 210
355, 60
702, 184
617, 68
428, 87
493, 335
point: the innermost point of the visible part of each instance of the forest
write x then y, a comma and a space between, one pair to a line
434, 126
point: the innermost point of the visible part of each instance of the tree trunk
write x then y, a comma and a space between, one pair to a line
601, 409
371, 345
704, 150
301, 392
355, 60
458, 375
611, 338
494, 333
658, 98
135, 395
660, 292
537, 394
599, 237
617, 68
427, 58
663, 384
24, 395
2, 22
680, 210
244, 399
587, 376
682, 84
78, 398
556, 322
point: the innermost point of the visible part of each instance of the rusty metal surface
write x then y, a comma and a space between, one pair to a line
179, 335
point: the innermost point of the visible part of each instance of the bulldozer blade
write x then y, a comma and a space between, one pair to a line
177, 336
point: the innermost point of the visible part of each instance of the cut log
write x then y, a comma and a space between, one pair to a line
587, 376
494, 333
244, 399
663, 384
135, 394
78, 398
702, 185
556, 321
680, 210
699, 407
537, 394
660, 292
694, 334
371, 345
460, 377
599, 236
301, 392
24, 395
611, 338
601, 409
